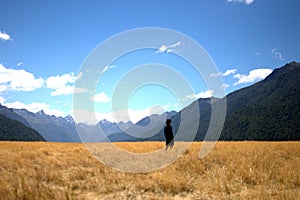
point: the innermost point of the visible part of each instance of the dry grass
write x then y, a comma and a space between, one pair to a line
233, 170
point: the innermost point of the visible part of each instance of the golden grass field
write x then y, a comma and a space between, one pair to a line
232, 170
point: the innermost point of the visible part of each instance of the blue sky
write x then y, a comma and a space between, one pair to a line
44, 43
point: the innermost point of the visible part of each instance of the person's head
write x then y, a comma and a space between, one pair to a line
168, 122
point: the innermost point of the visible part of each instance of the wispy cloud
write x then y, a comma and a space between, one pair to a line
225, 85
4, 36
19, 64
85, 116
101, 97
108, 67
135, 115
253, 76
229, 72
79, 76
169, 48
63, 84
226, 73
257, 53
175, 45
277, 54
215, 75
35, 107
174, 106
162, 48
247, 2
18, 80
206, 94
2, 100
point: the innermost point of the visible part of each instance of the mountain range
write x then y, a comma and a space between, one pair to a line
13, 130
266, 110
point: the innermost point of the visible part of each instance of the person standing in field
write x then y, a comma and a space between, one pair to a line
168, 132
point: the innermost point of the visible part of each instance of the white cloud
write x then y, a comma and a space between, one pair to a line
21, 80
131, 115
67, 89
170, 48
56, 82
105, 69
215, 75
229, 72
170, 107
162, 49
79, 90
101, 97
247, 2
257, 53
108, 67
206, 94
253, 76
4, 36
34, 107
226, 73
18, 80
79, 75
277, 54
2, 100
177, 44
19, 64
136, 115
225, 85
64, 84
84, 116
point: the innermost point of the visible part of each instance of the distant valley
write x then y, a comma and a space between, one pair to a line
267, 110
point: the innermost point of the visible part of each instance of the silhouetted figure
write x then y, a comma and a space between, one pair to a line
169, 135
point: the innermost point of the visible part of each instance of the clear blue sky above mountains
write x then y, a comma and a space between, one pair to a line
43, 44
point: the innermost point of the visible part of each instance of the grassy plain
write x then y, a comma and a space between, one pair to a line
232, 170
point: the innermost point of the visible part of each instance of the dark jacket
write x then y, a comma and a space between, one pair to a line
168, 132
